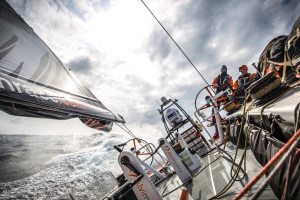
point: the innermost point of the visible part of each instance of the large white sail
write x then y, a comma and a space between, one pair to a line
34, 82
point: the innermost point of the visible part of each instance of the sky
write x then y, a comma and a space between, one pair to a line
118, 50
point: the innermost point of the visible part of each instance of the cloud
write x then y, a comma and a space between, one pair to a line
81, 64
135, 99
159, 45
120, 52
226, 32
71, 6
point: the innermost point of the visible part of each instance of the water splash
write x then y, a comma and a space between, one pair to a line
85, 173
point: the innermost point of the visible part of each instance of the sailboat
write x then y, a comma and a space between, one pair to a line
258, 141
257, 155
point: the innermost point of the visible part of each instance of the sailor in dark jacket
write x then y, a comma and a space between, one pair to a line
220, 81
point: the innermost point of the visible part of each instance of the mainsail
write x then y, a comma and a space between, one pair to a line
35, 83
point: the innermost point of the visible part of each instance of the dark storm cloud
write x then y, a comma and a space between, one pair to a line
240, 24
20, 5
149, 116
140, 101
70, 5
82, 65
76, 8
188, 94
243, 26
142, 110
159, 45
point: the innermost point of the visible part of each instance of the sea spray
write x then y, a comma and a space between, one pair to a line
83, 169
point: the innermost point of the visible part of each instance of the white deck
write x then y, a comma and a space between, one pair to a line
214, 178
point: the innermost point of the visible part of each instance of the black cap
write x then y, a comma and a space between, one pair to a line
224, 66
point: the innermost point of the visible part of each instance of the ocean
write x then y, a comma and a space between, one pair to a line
52, 167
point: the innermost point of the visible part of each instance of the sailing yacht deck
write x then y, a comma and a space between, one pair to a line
213, 178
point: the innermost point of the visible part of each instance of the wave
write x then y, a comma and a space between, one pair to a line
85, 173
7, 156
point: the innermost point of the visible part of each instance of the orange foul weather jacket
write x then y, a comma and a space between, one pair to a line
220, 82
243, 80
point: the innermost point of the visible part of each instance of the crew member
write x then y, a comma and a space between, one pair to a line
220, 82
243, 81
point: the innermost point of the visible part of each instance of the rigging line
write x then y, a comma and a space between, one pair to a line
164, 195
175, 43
128, 130
273, 163
243, 159
125, 130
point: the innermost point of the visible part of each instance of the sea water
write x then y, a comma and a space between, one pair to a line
53, 167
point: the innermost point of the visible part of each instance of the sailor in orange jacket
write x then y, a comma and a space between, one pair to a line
243, 80
220, 81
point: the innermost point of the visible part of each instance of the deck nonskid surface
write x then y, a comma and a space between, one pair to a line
215, 177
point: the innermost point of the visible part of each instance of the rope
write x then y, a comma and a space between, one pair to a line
243, 158
276, 169
287, 181
279, 165
284, 67
213, 150
127, 131
175, 43
264, 170
264, 66
164, 195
